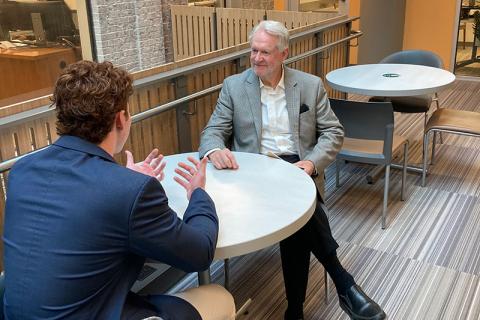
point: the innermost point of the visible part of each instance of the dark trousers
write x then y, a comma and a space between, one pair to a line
315, 237
164, 306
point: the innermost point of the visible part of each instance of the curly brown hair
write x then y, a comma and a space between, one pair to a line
87, 96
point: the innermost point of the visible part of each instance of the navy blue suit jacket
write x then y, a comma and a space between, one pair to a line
78, 227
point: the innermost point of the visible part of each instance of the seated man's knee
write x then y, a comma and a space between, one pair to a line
212, 301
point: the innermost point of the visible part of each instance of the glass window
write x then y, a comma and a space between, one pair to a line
38, 39
467, 61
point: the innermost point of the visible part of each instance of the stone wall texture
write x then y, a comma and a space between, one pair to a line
129, 33
167, 26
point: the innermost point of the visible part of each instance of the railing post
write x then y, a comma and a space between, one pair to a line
347, 44
182, 114
241, 64
213, 28
318, 56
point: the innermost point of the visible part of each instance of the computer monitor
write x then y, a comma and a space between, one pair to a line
54, 16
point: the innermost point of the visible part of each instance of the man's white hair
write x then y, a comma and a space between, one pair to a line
273, 28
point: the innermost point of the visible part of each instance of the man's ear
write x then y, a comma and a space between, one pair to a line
120, 119
285, 53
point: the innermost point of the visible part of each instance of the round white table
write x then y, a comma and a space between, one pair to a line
389, 80
264, 201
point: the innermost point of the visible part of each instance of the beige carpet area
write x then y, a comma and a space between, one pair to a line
425, 265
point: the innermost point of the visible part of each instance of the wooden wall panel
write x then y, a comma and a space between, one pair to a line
191, 30
234, 25
191, 26
293, 19
336, 57
202, 108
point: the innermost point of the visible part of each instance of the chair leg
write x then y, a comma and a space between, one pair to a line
432, 160
436, 100
404, 173
325, 277
425, 157
438, 107
385, 196
226, 268
425, 120
337, 173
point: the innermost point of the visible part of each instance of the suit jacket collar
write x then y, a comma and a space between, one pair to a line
79, 144
292, 95
252, 88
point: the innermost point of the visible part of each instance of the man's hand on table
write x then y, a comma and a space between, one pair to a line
223, 159
152, 165
307, 166
193, 177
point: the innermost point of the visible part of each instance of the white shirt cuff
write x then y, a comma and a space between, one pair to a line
210, 151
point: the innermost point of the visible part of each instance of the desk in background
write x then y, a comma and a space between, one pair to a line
26, 70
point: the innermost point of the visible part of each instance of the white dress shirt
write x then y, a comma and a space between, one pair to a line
276, 135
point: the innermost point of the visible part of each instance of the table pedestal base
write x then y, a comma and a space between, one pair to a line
204, 277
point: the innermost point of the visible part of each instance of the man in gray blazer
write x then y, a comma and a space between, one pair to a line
269, 109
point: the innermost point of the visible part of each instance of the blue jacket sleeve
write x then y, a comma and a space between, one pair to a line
157, 232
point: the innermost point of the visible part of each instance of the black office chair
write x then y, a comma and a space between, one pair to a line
369, 138
413, 104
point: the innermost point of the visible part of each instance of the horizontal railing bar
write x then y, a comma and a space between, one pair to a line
170, 105
29, 115
6, 165
322, 48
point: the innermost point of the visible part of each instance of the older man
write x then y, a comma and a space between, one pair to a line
79, 226
270, 108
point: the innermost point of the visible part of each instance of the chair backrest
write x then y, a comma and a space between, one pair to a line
419, 57
366, 120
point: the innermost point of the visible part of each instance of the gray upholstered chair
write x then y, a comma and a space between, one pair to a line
413, 104
449, 121
369, 138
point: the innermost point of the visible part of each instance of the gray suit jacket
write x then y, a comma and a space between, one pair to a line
237, 119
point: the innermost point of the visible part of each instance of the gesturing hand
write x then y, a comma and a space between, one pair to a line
152, 165
193, 177
223, 159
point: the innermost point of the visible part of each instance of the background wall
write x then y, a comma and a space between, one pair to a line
428, 25
383, 25
431, 25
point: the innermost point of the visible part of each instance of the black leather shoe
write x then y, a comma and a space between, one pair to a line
359, 306
294, 314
